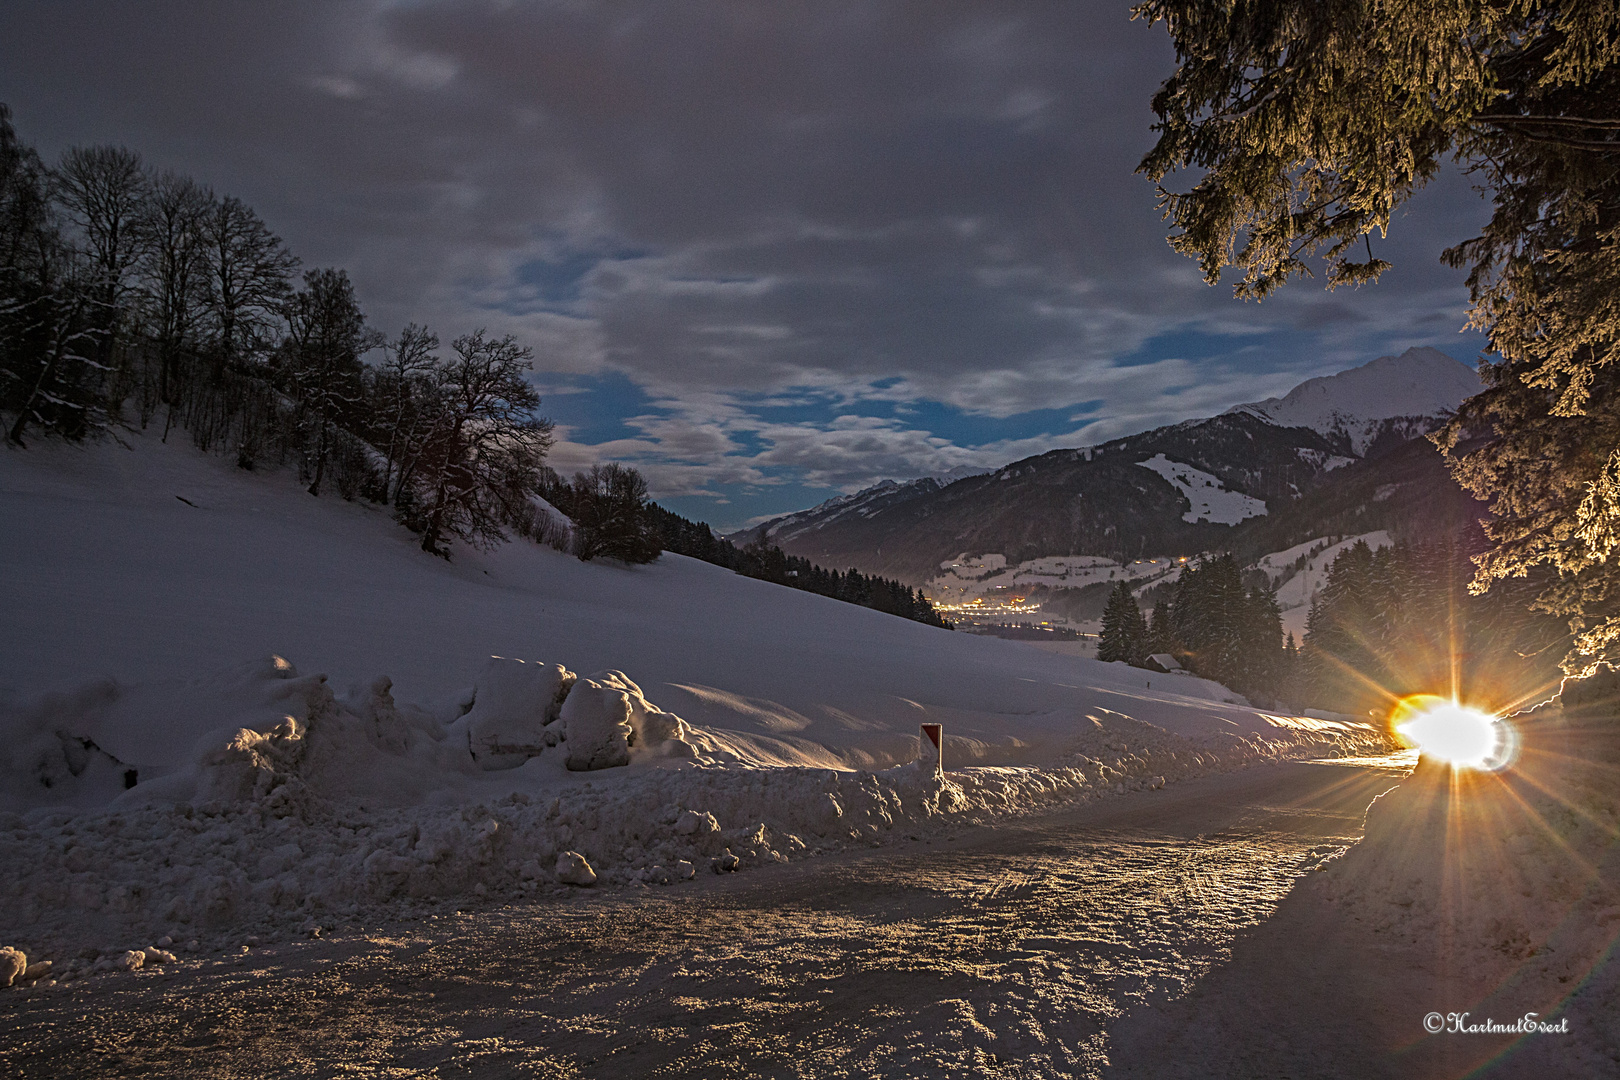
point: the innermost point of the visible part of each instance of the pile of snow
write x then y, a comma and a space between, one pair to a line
317, 807
1208, 498
1420, 383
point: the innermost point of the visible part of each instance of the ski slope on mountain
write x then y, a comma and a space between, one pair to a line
1301, 572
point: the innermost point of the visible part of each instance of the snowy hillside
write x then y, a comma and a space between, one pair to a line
1356, 404
162, 564
1209, 498
1300, 573
282, 700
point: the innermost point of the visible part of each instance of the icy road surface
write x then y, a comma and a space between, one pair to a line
1009, 952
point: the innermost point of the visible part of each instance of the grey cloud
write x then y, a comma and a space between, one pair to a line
836, 202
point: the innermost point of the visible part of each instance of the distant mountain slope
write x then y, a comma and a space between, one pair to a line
1095, 500
1175, 490
1400, 394
1407, 492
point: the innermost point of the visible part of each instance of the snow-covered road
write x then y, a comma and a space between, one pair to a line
1009, 951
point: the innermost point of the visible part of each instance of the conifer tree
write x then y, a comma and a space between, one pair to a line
1224, 632
1124, 633
1307, 125
1398, 620
1161, 632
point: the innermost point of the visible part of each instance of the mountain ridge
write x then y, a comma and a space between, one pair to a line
1202, 478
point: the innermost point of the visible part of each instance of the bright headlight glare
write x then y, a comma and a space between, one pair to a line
1464, 736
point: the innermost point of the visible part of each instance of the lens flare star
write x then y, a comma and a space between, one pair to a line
1452, 732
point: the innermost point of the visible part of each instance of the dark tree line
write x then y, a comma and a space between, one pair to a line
1124, 632
1213, 626
132, 296
770, 563
611, 515
1217, 628
1387, 623
1400, 620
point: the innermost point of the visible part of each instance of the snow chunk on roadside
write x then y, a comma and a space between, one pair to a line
572, 869
596, 723
513, 703
651, 728
12, 964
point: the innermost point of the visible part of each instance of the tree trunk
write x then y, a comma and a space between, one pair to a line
320, 459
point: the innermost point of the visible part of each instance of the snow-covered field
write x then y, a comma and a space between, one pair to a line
229, 704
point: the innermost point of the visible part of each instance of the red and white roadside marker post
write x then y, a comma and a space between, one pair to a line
931, 750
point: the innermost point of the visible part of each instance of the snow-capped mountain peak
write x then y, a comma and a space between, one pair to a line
961, 472
1357, 404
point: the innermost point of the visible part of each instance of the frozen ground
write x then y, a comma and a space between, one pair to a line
1009, 951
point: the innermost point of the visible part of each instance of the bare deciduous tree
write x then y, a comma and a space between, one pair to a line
172, 223
326, 336
403, 391
249, 275
480, 467
103, 191
609, 508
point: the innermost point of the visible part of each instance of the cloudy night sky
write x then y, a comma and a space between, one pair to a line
765, 253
